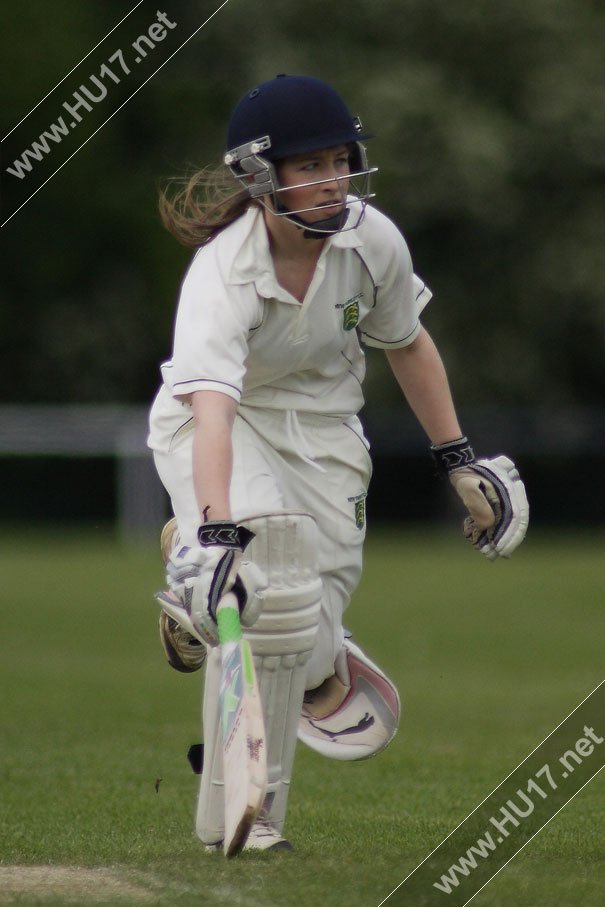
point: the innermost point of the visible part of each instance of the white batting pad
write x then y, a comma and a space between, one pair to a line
285, 548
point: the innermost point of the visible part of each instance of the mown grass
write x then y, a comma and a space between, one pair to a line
488, 657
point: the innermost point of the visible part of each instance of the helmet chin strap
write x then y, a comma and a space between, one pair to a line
320, 228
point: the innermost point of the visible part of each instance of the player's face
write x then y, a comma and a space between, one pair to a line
325, 198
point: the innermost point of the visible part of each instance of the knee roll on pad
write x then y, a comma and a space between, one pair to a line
354, 714
285, 547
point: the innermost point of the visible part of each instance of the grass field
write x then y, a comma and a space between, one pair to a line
488, 658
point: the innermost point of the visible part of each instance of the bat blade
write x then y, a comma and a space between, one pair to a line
244, 744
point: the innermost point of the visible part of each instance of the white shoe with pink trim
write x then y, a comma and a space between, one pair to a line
355, 713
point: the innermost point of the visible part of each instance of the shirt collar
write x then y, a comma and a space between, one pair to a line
349, 239
251, 255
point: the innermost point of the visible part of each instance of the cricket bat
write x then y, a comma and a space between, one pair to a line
244, 743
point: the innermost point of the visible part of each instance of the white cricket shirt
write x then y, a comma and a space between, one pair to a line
239, 332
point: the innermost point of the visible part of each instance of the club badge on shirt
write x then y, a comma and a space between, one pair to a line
359, 500
350, 312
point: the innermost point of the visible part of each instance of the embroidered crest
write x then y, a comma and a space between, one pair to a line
359, 500
350, 312
350, 316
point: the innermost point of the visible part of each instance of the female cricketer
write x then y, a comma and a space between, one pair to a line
256, 437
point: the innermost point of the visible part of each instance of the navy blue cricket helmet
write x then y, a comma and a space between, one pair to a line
291, 115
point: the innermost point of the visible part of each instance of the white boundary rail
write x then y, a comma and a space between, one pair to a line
94, 430
120, 431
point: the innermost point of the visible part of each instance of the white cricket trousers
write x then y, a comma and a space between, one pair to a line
284, 460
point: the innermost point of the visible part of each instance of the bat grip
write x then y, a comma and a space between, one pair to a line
227, 619
229, 600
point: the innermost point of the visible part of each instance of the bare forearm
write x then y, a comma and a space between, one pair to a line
213, 453
421, 375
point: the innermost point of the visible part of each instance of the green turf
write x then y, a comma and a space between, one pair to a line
489, 658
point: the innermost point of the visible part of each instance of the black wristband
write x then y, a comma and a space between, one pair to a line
224, 533
452, 455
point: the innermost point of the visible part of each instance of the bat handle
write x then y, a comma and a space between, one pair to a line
229, 600
227, 619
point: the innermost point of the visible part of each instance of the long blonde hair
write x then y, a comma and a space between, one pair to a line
196, 208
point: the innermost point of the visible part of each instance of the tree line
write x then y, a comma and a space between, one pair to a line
490, 140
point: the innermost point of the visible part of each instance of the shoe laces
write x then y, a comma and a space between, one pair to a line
263, 826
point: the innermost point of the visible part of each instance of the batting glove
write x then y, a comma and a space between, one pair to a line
198, 578
493, 494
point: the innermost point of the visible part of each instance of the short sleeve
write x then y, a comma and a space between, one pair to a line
213, 323
399, 294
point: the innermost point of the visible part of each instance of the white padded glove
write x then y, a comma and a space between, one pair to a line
198, 578
494, 495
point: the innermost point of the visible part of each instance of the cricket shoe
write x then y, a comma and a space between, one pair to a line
169, 539
184, 652
354, 714
262, 836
